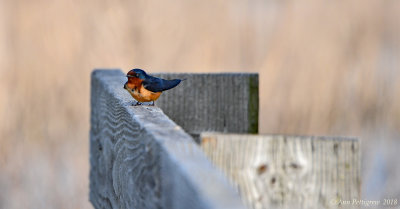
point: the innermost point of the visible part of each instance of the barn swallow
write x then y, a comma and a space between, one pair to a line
146, 88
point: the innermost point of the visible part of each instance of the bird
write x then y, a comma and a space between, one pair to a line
146, 88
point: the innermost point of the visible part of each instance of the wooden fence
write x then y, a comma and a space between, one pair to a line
140, 158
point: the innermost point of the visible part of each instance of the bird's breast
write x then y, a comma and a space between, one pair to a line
143, 95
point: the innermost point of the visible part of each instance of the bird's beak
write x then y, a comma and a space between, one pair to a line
130, 76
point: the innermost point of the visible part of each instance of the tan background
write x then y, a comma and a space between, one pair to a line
326, 68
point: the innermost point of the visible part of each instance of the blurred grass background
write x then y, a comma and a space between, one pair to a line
326, 68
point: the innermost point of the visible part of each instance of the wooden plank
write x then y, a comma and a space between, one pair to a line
141, 159
273, 171
221, 102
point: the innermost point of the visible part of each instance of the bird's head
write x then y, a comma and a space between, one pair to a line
136, 73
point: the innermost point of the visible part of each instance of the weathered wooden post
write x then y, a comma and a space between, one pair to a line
275, 171
141, 159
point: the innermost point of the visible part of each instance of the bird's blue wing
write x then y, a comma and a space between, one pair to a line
157, 84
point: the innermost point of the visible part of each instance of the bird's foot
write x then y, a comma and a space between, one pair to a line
137, 104
153, 103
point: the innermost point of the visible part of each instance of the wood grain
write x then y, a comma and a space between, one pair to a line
273, 171
141, 159
221, 102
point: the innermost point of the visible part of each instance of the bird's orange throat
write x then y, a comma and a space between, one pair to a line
135, 88
134, 83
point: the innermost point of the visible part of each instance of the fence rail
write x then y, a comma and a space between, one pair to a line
140, 158
288, 171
